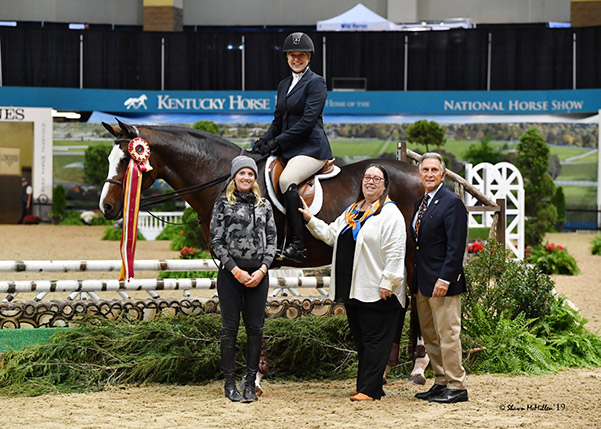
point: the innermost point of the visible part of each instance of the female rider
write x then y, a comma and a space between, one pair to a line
297, 133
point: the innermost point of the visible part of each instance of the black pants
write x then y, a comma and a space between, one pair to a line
373, 326
235, 298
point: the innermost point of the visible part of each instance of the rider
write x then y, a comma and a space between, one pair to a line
297, 132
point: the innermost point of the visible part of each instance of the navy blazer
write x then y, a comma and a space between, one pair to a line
297, 125
440, 246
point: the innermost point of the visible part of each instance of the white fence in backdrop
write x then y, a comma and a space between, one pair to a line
151, 227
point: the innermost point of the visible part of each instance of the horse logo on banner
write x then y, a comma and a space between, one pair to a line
136, 103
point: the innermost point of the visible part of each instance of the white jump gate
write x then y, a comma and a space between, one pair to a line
499, 181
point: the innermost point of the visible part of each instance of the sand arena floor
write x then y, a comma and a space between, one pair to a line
571, 398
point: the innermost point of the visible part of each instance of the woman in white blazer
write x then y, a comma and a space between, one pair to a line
368, 274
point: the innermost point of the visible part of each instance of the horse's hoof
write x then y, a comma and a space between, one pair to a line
418, 379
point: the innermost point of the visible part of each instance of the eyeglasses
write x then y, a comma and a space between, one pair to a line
375, 179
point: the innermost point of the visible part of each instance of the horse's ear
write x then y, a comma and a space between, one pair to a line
128, 129
114, 131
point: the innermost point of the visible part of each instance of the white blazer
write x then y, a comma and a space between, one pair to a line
379, 260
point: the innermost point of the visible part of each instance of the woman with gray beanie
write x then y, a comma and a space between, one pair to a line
243, 237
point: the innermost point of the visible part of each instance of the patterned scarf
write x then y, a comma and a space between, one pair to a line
352, 212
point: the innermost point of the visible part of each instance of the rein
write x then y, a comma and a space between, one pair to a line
146, 202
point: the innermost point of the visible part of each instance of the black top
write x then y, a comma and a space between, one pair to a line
345, 253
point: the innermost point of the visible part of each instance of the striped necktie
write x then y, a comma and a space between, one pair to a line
422, 209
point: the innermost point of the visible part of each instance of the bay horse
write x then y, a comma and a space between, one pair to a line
185, 157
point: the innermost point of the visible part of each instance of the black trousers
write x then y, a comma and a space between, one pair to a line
236, 299
373, 326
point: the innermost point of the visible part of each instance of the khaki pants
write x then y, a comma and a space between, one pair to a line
298, 169
440, 322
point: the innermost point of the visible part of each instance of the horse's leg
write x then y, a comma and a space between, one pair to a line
393, 357
417, 347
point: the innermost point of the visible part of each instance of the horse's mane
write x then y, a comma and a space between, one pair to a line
192, 135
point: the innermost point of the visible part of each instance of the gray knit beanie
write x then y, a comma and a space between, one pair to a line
241, 162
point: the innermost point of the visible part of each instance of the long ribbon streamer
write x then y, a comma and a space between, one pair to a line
131, 202
132, 185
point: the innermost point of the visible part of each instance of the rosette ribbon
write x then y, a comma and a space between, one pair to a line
132, 184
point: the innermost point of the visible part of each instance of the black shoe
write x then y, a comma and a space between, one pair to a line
231, 392
249, 394
435, 390
450, 396
294, 252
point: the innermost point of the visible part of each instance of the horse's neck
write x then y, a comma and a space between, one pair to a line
185, 168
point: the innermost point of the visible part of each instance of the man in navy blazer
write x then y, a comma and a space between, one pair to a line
439, 229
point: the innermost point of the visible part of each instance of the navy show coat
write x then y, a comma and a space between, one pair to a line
440, 246
297, 125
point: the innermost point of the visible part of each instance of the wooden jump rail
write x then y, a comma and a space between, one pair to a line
497, 230
90, 287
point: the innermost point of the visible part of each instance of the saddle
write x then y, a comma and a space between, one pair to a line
310, 189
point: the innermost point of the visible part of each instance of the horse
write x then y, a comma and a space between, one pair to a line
185, 157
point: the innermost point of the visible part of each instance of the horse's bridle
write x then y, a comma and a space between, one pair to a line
114, 182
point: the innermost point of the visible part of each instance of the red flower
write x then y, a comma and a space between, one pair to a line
550, 247
187, 251
470, 248
560, 247
181, 232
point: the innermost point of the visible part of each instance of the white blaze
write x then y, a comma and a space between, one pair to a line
114, 157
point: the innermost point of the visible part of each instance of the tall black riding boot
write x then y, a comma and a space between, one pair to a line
295, 249
253, 352
228, 362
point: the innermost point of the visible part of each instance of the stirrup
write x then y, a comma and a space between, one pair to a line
294, 253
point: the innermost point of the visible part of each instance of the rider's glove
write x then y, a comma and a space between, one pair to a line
258, 145
267, 147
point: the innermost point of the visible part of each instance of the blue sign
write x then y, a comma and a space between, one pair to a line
338, 102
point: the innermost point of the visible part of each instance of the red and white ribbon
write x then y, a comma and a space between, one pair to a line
132, 183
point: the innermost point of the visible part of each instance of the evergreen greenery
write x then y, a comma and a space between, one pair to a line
533, 162
59, 203
189, 234
596, 245
559, 201
95, 165
482, 152
512, 316
183, 349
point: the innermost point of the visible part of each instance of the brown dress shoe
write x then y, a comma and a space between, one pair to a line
361, 397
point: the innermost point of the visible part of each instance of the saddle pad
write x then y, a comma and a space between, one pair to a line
315, 207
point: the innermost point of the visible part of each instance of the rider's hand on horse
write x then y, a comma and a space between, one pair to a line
258, 146
266, 147
305, 211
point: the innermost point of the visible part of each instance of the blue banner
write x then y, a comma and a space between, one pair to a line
338, 103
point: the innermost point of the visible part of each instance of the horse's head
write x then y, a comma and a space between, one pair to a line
111, 198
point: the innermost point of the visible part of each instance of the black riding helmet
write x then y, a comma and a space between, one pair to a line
298, 42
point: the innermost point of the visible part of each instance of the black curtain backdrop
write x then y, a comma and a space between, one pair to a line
522, 58
530, 58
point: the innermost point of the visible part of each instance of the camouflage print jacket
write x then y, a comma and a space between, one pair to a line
242, 234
